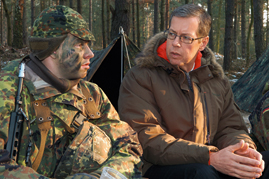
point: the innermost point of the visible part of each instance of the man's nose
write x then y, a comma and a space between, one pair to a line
176, 42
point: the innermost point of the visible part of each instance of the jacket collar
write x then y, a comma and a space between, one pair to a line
149, 58
41, 89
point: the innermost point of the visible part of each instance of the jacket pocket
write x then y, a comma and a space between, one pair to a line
90, 148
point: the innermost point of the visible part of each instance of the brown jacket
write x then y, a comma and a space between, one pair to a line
177, 124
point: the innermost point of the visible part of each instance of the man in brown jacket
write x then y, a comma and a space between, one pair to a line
179, 101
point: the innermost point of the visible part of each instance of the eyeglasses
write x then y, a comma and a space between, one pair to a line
182, 38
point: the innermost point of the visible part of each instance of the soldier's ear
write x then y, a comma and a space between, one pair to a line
53, 55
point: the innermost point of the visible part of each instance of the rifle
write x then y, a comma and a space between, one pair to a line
16, 120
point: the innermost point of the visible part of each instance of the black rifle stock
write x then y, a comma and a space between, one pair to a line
16, 121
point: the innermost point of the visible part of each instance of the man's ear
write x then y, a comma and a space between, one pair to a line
204, 43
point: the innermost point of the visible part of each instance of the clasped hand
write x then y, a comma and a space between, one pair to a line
238, 160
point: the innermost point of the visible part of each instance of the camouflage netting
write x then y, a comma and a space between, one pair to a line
248, 89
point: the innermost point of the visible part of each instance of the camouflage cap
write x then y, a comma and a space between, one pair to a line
60, 20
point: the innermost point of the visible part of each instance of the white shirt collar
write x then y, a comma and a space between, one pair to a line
193, 66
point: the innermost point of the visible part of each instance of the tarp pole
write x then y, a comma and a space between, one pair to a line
126, 50
121, 32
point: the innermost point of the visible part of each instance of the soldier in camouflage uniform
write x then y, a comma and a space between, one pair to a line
71, 130
259, 120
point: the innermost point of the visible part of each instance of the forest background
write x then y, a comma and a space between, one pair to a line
239, 27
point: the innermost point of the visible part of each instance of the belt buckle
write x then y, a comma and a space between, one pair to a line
78, 120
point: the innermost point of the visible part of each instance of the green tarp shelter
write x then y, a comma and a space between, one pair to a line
109, 65
248, 89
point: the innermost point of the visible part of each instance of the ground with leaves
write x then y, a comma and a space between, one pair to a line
9, 53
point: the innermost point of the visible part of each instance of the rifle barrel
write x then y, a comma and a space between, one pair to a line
16, 120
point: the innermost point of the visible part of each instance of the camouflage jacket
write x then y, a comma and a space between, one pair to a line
101, 141
259, 120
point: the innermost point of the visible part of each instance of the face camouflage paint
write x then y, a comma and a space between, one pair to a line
73, 58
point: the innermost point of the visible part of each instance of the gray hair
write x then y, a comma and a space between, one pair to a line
192, 10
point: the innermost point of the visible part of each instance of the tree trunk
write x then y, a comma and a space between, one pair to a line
235, 32
249, 33
71, 4
143, 25
7, 13
167, 14
243, 28
137, 23
42, 5
209, 10
162, 16
133, 19
267, 25
90, 14
218, 27
90, 17
32, 12
229, 14
147, 20
17, 34
120, 18
61, 2
24, 25
1, 23
156, 17
79, 6
108, 20
258, 27
103, 24
186, 1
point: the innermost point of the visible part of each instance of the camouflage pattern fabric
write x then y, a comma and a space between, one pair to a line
81, 176
259, 120
266, 88
248, 89
52, 27
100, 141
60, 20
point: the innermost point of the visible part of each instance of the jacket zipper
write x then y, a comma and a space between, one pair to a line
189, 81
207, 119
